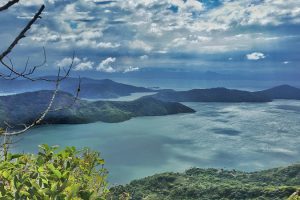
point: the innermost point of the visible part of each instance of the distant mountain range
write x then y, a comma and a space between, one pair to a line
26, 107
90, 88
228, 95
108, 89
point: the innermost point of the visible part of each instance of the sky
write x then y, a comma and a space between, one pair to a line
119, 36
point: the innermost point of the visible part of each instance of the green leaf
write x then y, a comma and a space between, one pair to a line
5, 174
54, 170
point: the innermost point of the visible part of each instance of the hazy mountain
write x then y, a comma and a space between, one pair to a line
90, 88
228, 95
278, 183
26, 107
282, 92
211, 95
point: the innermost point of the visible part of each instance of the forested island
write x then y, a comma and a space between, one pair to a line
26, 107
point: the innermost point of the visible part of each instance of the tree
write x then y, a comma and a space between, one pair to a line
51, 174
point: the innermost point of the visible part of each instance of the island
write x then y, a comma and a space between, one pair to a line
26, 107
229, 95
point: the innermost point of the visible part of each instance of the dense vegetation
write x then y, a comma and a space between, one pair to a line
26, 107
68, 174
208, 184
72, 174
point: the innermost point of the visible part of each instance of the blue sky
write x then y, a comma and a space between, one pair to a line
137, 35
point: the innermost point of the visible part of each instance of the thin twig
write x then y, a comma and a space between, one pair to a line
43, 114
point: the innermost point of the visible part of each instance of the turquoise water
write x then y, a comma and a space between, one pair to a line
243, 136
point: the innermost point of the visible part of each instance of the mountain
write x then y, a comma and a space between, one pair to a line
228, 95
90, 88
211, 95
26, 107
210, 184
282, 92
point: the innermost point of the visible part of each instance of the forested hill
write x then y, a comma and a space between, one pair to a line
215, 184
26, 107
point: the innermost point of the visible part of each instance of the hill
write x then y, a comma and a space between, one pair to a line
210, 184
228, 95
282, 92
90, 88
211, 95
26, 107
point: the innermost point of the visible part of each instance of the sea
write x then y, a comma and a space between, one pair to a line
240, 136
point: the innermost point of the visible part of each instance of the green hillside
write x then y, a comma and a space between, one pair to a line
209, 184
26, 107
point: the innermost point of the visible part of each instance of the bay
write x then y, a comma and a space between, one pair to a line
242, 136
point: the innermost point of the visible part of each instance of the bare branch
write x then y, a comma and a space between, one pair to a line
25, 73
43, 114
23, 32
8, 4
76, 98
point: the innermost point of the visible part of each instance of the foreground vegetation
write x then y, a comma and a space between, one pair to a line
279, 183
72, 174
67, 174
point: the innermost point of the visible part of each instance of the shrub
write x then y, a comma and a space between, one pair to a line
53, 174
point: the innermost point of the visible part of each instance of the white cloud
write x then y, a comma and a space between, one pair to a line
149, 26
106, 65
78, 64
85, 65
131, 69
255, 56
286, 62
188, 5
36, 2
139, 44
248, 12
66, 62
108, 45
144, 57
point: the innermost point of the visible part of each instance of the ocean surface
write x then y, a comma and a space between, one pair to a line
243, 136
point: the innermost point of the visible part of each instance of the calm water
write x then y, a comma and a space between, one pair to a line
241, 136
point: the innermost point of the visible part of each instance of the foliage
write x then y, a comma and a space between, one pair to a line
295, 196
209, 184
53, 174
